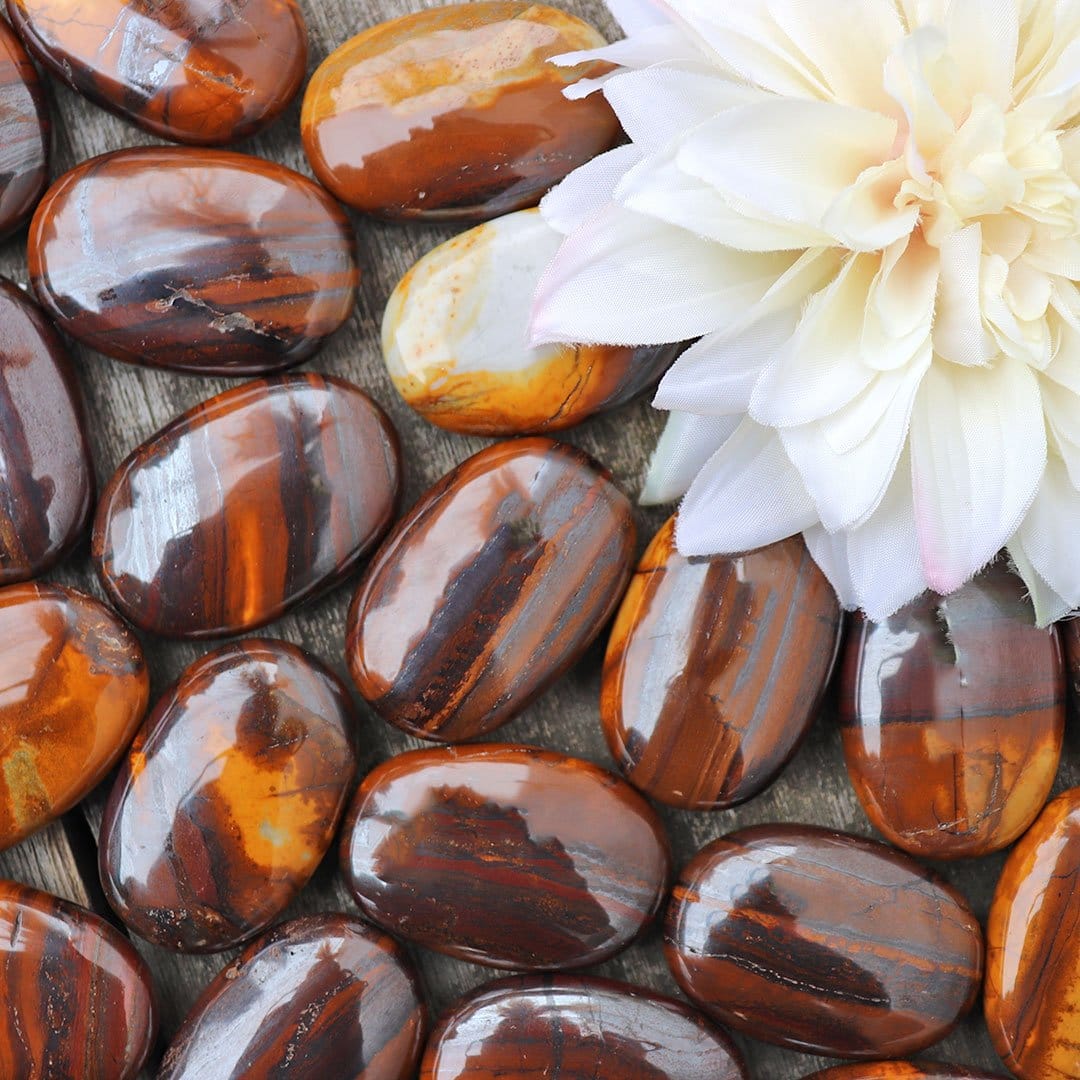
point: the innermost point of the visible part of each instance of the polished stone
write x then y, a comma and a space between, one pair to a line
76, 1000
73, 690
507, 856
454, 113
900, 1070
197, 260
46, 473
576, 1028
715, 669
195, 71
318, 998
247, 505
952, 716
454, 340
1032, 994
229, 798
24, 134
823, 942
493, 586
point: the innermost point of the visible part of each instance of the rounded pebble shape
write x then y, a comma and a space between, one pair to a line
76, 999
952, 716
489, 589
321, 997
194, 71
715, 670
454, 340
507, 856
454, 113
900, 1070
229, 797
823, 942
197, 260
1032, 994
25, 134
576, 1028
247, 505
73, 691
1069, 631
46, 473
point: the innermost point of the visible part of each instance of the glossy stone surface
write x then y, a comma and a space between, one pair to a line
46, 475
823, 942
1069, 632
493, 585
73, 690
952, 715
197, 260
715, 669
1032, 994
900, 1070
507, 856
454, 339
454, 113
229, 798
75, 998
246, 505
194, 71
317, 998
576, 1029
24, 134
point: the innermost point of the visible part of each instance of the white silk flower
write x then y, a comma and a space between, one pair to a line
866, 213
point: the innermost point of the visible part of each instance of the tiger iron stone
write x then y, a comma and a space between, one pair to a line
454, 113
229, 798
507, 856
194, 71
73, 690
322, 996
247, 505
823, 942
46, 473
491, 588
715, 669
576, 1028
1032, 995
202, 261
454, 334
25, 132
952, 718
900, 1070
76, 999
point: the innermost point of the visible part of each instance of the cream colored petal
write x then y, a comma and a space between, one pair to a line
978, 451
1049, 531
871, 214
687, 443
587, 190
960, 335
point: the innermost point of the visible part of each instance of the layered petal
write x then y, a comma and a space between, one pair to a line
686, 445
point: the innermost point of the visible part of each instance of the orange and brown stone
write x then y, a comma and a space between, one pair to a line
715, 668
195, 71
455, 113
229, 798
76, 1000
73, 690
952, 718
1032, 993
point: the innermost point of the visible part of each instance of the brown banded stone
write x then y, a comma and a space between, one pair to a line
25, 133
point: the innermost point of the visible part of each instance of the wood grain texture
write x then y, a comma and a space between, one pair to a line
129, 404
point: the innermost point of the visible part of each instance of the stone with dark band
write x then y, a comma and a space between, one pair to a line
25, 133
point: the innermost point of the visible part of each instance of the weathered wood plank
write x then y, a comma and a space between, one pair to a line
127, 404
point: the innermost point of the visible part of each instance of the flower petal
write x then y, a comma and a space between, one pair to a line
1049, 606
847, 485
1048, 534
978, 447
626, 279
959, 333
789, 159
820, 369
830, 552
685, 446
588, 189
637, 15
867, 216
983, 39
747, 496
715, 377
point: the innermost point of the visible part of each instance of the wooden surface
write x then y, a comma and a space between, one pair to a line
127, 404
